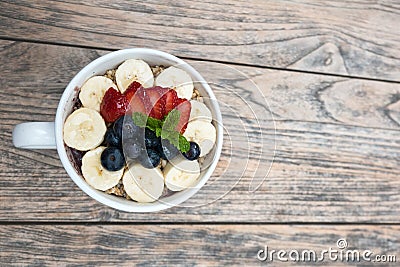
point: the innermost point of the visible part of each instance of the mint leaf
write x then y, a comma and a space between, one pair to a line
142, 120
158, 132
154, 124
165, 129
184, 144
169, 132
178, 140
172, 120
139, 119
171, 136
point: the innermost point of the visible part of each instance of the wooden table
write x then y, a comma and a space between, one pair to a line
330, 71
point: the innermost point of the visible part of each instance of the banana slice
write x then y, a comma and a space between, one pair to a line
134, 70
92, 92
177, 79
142, 184
181, 173
95, 174
203, 133
199, 111
84, 129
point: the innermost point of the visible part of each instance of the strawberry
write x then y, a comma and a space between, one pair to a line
137, 103
184, 106
131, 90
170, 98
141, 93
161, 90
113, 105
156, 101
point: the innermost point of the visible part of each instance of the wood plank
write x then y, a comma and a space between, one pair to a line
331, 164
357, 38
187, 245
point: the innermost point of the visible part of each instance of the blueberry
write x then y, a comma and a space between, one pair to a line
167, 150
151, 140
132, 149
193, 152
111, 139
112, 159
117, 126
151, 159
125, 128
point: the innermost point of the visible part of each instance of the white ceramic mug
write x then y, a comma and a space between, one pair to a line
49, 135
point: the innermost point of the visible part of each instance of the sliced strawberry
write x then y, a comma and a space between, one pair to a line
170, 98
184, 106
131, 90
161, 90
156, 101
113, 105
142, 94
137, 103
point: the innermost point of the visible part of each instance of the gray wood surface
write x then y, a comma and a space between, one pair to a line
327, 97
331, 165
359, 38
185, 245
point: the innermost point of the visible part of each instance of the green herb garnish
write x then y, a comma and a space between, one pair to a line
164, 128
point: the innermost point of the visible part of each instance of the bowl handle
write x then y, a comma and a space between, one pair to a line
34, 135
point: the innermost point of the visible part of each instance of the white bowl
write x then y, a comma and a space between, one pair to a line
99, 67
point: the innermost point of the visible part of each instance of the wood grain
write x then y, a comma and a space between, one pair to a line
184, 245
357, 38
331, 164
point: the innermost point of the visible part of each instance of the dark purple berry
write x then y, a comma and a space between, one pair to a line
132, 149
151, 140
111, 139
151, 159
167, 150
112, 159
126, 129
193, 153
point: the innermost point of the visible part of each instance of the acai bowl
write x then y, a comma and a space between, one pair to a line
139, 130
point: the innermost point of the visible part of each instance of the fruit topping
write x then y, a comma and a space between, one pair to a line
181, 173
151, 140
151, 159
132, 149
137, 103
142, 184
133, 70
93, 90
203, 133
139, 121
170, 101
95, 174
199, 111
84, 129
126, 129
111, 138
167, 150
112, 159
184, 107
177, 79
156, 102
114, 105
193, 153
131, 90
